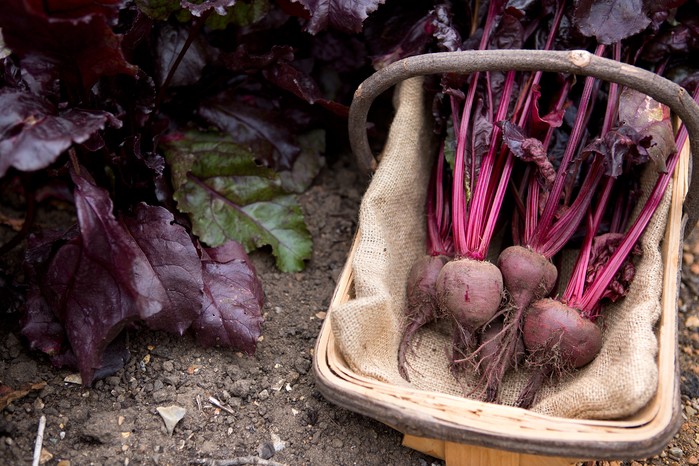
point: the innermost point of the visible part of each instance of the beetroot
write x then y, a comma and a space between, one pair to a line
471, 291
561, 334
422, 303
558, 338
527, 275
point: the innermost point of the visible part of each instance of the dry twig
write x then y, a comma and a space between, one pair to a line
240, 461
39, 441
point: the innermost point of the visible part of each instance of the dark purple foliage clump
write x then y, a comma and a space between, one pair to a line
136, 117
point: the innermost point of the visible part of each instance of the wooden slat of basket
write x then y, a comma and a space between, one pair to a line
430, 414
457, 454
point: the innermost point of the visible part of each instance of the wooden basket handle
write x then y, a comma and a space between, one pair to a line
578, 62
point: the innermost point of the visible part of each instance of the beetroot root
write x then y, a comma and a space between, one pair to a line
527, 276
489, 354
422, 305
470, 293
558, 338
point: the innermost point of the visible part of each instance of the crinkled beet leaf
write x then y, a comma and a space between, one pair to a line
35, 133
651, 120
100, 281
529, 150
617, 147
229, 196
302, 85
262, 131
233, 300
40, 325
338, 14
175, 261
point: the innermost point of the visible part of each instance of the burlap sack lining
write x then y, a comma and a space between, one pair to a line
391, 235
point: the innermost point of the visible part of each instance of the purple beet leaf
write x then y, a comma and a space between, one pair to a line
338, 14
610, 20
651, 120
76, 36
100, 281
175, 261
35, 133
233, 300
262, 130
529, 150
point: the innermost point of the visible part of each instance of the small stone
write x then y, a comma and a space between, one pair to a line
337, 443
263, 395
45, 456
694, 268
161, 395
692, 322
693, 460
11, 341
171, 416
168, 366
74, 378
676, 452
241, 388
266, 451
688, 258
277, 442
113, 380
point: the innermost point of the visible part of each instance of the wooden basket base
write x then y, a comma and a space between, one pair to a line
457, 454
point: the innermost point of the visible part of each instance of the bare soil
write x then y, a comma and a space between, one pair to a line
270, 407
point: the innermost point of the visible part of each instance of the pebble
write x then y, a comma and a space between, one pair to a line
266, 451
692, 322
693, 460
160, 396
337, 443
676, 452
302, 365
171, 416
168, 366
241, 388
